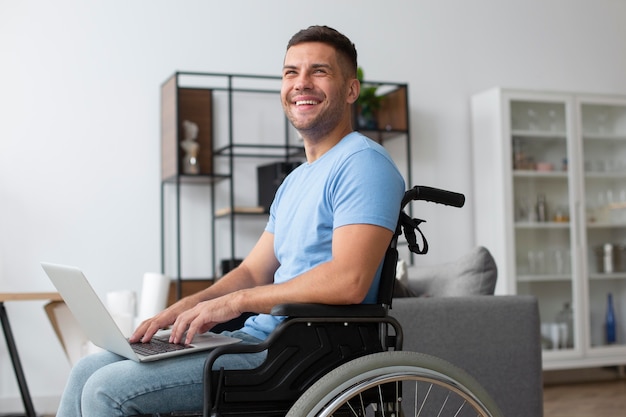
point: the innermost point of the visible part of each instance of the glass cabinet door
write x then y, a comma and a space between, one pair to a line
542, 228
603, 134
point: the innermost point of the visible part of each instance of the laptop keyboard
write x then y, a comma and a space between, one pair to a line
156, 346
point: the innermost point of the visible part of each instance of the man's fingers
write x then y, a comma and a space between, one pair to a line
180, 327
152, 329
191, 332
140, 332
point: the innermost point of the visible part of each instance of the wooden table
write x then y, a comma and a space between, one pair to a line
8, 334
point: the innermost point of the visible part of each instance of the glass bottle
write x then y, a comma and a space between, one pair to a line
542, 208
565, 317
610, 321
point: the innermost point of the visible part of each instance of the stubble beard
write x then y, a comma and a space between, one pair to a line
320, 125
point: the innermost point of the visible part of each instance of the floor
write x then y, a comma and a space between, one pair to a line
600, 393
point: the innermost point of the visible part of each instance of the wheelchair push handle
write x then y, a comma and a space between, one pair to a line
434, 195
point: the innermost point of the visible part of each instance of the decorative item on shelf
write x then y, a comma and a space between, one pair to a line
269, 178
368, 104
191, 147
553, 335
521, 161
602, 126
542, 208
552, 120
565, 318
523, 213
536, 262
532, 119
544, 166
609, 258
611, 337
227, 265
560, 261
561, 215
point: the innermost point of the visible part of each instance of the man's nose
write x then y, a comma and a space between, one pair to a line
303, 82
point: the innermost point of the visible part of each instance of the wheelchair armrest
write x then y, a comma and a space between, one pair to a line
325, 310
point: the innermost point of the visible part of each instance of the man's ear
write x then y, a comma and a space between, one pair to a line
354, 89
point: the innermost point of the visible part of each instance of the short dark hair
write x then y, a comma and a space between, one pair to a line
324, 34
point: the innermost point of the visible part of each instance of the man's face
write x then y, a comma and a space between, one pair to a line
314, 92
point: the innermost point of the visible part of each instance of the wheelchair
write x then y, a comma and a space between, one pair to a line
328, 360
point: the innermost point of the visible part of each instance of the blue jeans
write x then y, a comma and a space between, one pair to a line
105, 384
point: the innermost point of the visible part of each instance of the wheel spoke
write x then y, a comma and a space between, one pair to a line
425, 399
353, 410
444, 405
416, 401
362, 404
460, 408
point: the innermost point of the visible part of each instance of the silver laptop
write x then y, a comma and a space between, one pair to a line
99, 326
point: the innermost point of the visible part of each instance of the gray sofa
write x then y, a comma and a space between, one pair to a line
496, 339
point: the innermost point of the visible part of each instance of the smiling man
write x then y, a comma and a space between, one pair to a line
329, 226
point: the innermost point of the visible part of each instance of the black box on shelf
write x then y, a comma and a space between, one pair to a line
269, 179
227, 265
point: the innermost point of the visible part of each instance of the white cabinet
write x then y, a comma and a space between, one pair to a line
550, 203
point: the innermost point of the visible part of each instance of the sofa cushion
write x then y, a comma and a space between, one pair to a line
473, 274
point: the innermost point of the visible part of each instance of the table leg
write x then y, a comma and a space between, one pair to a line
17, 365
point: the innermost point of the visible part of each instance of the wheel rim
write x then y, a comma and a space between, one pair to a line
353, 389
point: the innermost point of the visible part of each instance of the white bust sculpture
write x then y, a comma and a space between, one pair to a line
191, 148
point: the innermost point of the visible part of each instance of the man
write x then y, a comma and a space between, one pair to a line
330, 224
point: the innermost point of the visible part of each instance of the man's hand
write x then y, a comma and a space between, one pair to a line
217, 303
164, 319
203, 317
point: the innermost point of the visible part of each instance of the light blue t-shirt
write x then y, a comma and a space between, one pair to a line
355, 182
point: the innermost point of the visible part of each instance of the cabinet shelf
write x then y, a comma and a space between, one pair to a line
527, 173
545, 278
196, 178
606, 350
539, 134
606, 225
590, 137
255, 150
605, 175
245, 211
605, 276
542, 225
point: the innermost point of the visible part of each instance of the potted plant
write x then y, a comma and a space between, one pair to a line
368, 104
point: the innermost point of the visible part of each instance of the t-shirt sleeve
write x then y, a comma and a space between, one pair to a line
368, 190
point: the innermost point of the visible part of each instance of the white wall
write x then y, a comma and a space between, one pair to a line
79, 115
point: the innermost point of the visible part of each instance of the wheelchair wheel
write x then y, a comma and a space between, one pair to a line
395, 384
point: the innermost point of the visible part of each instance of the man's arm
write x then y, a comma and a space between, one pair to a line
357, 251
256, 269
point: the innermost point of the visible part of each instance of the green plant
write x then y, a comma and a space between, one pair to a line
368, 102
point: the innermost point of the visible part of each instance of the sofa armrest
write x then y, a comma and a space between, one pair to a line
496, 339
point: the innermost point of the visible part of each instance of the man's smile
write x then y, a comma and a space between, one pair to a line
304, 102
